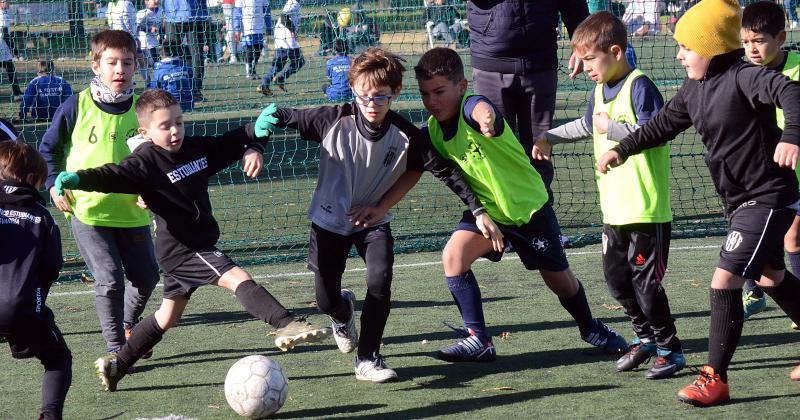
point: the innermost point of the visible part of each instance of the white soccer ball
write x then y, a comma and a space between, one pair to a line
256, 387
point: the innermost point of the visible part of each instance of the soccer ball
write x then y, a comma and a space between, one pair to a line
256, 387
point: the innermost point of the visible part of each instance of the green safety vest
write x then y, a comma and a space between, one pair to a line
638, 190
497, 170
791, 70
99, 138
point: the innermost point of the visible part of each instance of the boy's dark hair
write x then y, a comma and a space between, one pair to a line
600, 30
153, 100
380, 67
440, 61
112, 39
339, 46
18, 160
171, 48
46, 66
764, 17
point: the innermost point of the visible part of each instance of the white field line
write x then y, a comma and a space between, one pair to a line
396, 266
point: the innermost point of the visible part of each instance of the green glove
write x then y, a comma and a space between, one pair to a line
265, 124
68, 180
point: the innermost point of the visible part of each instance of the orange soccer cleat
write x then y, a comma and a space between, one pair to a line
707, 390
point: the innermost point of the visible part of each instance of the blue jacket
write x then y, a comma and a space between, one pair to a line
336, 70
43, 96
174, 76
519, 36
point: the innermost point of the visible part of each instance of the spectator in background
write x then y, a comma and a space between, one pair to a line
174, 75
187, 22
515, 62
442, 21
642, 17
7, 62
230, 38
149, 21
5, 24
44, 94
338, 89
253, 28
287, 50
791, 11
122, 17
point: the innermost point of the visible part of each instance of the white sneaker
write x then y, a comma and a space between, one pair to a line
794, 24
346, 334
233, 60
374, 370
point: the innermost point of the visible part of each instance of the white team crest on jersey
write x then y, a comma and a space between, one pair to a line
733, 241
218, 254
540, 244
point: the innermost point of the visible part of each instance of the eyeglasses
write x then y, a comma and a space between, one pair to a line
382, 100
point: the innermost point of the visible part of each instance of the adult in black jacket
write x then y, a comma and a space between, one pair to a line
30, 260
171, 174
513, 44
732, 105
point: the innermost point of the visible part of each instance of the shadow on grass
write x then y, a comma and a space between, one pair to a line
170, 386
433, 303
761, 398
98, 332
752, 341
319, 412
470, 404
113, 416
216, 356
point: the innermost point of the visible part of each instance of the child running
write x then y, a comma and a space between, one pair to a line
468, 131
171, 174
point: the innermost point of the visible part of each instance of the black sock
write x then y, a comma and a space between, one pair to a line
725, 329
787, 296
257, 301
578, 307
751, 286
467, 295
55, 384
144, 337
794, 261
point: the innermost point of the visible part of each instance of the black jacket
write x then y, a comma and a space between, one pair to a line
519, 36
733, 109
175, 188
30, 255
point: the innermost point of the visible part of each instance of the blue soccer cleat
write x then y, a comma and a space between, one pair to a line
606, 338
753, 304
666, 364
470, 349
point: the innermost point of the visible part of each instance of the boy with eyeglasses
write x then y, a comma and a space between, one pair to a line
369, 159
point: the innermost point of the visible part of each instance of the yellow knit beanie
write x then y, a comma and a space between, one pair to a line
711, 27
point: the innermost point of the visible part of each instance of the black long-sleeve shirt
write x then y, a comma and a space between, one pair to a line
30, 254
733, 109
175, 188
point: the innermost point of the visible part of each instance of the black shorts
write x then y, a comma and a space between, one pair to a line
755, 240
36, 337
538, 242
202, 268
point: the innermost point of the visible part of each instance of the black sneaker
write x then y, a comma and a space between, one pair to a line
639, 353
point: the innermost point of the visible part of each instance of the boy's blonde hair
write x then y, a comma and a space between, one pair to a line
19, 160
600, 30
153, 100
380, 67
112, 39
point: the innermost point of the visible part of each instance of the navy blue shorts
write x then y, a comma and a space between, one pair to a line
253, 39
755, 240
538, 242
202, 268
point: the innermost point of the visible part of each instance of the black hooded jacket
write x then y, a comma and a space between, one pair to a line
733, 110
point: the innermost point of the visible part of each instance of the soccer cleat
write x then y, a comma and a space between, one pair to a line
345, 334
666, 364
753, 304
279, 83
108, 372
606, 338
470, 349
299, 331
795, 375
707, 390
374, 370
264, 90
128, 332
638, 353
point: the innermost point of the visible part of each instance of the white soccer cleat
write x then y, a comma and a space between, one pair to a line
346, 334
374, 370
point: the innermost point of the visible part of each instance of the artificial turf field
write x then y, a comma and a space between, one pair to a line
543, 369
